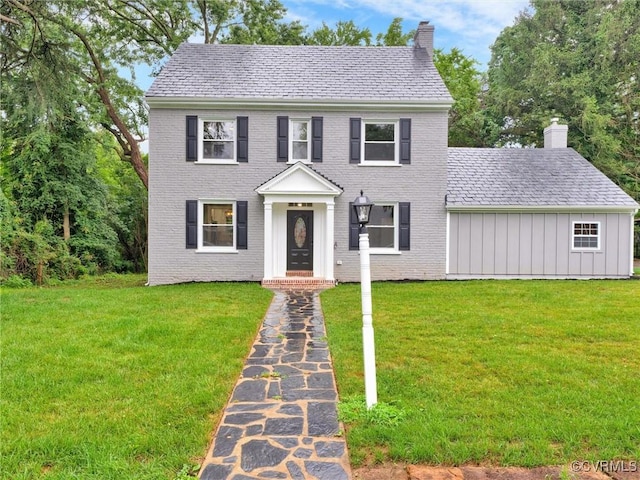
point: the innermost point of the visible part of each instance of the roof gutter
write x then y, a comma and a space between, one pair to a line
297, 104
543, 208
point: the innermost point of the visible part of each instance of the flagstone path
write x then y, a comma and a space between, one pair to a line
281, 420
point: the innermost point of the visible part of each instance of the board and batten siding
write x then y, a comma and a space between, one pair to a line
535, 245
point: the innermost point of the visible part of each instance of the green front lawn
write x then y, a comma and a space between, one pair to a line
108, 379
507, 373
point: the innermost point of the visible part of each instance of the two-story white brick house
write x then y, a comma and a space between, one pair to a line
256, 153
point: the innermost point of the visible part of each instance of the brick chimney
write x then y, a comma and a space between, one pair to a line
423, 39
555, 136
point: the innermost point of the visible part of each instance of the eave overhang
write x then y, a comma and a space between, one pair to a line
299, 104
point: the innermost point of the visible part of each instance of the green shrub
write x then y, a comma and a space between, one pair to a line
16, 281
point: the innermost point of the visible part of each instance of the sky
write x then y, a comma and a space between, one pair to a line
469, 25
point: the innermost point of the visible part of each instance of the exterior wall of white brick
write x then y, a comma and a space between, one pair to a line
173, 181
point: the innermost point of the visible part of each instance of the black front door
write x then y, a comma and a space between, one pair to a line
299, 240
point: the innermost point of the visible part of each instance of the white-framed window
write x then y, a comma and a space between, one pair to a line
299, 141
379, 142
383, 228
586, 235
216, 225
218, 140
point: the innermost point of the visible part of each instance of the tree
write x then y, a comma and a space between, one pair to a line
344, 33
394, 37
57, 201
126, 206
469, 126
578, 61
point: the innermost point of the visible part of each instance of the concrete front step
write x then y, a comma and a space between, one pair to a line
299, 273
305, 283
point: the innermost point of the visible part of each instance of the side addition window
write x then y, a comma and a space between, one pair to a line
586, 235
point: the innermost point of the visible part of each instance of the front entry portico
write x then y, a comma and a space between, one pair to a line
302, 194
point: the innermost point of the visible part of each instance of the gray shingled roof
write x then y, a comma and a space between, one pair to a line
299, 72
528, 177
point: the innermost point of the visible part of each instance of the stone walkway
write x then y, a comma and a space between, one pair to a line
281, 421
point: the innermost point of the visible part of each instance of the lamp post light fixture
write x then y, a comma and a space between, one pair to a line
362, 206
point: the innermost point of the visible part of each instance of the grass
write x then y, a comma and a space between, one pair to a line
108, 379
523, 373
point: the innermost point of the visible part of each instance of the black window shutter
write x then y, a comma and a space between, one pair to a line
242, 139
316, 138
283, 139
405, 226
354, 140
405, 141
354, 229
192, 223
192, 138
241, 225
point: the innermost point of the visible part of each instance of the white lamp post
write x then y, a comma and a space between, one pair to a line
362, 206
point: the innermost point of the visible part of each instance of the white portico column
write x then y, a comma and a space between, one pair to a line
268, 240
329, 239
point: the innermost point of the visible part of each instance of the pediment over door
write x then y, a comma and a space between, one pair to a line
299, 180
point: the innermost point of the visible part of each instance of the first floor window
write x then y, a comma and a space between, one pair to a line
382, 227
218, 140
389, 228
217, 224
379, 141
586, 235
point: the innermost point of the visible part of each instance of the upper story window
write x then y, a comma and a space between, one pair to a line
300, 149
586, 235
217, 140
380, 142
299, 139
